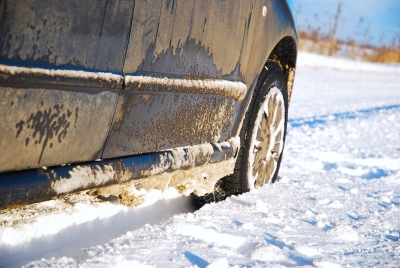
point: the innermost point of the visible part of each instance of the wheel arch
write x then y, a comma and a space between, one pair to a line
285, 54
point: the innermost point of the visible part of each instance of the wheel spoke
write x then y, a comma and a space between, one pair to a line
259, 156
271, 170
271, 112
278, 115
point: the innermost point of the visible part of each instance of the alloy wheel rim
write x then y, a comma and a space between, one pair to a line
266, 144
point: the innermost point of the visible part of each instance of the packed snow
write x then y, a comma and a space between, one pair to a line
336, 203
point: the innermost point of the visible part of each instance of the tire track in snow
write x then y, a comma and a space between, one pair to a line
318, 120
349, 143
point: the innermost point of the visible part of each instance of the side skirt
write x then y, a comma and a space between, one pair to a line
188, 169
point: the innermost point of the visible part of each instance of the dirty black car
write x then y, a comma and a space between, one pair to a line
113, 95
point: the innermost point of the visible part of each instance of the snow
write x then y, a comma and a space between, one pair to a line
61, 213
199, 175
108, 77
336, 204
307, 59
83, 176
195, 86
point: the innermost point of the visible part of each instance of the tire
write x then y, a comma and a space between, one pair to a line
260, 156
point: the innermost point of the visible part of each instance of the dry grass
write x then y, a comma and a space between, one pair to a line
315, 42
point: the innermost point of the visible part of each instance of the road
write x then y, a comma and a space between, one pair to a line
336, 203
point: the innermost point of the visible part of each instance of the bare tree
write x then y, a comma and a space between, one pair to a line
334, 30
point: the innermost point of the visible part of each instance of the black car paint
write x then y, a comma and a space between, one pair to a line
49, 120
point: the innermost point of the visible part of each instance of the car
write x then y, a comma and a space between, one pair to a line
116, 96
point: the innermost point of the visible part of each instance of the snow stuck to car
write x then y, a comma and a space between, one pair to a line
235, 89
188, 169
108, 77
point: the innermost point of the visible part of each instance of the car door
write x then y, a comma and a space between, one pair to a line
184, 73
61, 72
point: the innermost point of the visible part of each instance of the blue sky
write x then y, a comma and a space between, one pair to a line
370, 21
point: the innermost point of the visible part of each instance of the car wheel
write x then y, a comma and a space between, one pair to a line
262, 137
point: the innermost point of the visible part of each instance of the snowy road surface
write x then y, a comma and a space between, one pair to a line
337, 202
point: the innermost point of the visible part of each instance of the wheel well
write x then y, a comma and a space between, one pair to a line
285, 54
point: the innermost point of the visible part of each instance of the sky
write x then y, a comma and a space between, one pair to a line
368, 21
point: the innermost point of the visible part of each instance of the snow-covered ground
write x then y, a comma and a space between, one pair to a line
337, 202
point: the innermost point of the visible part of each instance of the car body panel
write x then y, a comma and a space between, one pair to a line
83, 80
44, 127
188, 40
149, 122
73, 34
53, 83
